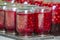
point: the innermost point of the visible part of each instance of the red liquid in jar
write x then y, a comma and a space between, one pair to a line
25, 24
1, 19
47, 22
38, 23
43, 22
10, 21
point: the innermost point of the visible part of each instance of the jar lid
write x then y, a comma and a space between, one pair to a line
11, 8
47, 9
25, 10
21, 9
43, 9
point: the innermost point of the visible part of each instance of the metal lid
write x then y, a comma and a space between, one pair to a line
43, 9
25, 10
11, 8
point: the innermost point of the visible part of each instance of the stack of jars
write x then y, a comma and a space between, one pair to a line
27, 21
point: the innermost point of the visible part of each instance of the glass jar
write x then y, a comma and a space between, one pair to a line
55, 19
25, 24
43, 19
1, 18
10, 19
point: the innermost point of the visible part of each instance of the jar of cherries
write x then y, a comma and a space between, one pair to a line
10, 19
43, 20
25, 22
